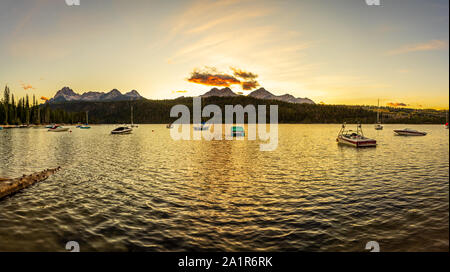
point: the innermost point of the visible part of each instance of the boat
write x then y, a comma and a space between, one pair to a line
202, 127
50, 126
122, 130
85, 126
58, 128
169, 126
378, 125
354, 138
237, 131
409, 132
132, 124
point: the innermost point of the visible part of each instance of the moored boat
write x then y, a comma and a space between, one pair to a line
58, 128
85, 126
122, 130
409, 132
378, 125
354, 138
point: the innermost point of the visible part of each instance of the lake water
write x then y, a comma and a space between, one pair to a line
147, 192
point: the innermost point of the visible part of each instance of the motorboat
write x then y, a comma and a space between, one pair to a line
354, 138
409, 132
237, 131
378, 125
122, 130
58, 128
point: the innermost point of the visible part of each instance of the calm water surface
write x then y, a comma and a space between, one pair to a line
146, 192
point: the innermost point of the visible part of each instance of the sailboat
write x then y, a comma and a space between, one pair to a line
132, 125
86, 126
378, 125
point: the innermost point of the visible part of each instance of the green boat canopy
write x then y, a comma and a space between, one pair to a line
237, 129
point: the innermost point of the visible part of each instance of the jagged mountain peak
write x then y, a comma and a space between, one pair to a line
67, 94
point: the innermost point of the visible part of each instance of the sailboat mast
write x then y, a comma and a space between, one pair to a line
131, 115
378, 111
87, 118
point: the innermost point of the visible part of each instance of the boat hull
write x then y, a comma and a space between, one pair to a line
409, 133
127, 131
58, 130
358, 143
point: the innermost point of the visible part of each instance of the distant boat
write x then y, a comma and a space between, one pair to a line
202, 127
237, 131
50, 126
378, 125
132, 124
355, 139
85, 126
409, 132
58, 128
1, 128
122, 130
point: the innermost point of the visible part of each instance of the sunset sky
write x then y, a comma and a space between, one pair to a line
338, 52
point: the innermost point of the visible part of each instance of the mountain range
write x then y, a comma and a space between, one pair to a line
66, 94
260, 93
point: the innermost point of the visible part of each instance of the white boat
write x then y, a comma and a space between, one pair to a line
354, 138
378, 125
122, 130
58, 128
409, 132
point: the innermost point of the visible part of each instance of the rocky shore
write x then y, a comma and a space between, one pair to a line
11, 186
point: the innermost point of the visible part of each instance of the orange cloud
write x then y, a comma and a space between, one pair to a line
243, 74
27, 86
248, 85
211, 77
44, 98
397, 104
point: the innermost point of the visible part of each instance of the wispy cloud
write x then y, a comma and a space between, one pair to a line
427, 46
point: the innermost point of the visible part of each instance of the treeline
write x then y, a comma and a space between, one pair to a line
25, 111
158, 111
